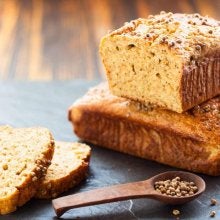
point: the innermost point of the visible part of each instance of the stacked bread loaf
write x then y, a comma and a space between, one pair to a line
33, 165
161, 102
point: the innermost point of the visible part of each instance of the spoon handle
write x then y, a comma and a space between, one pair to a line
103, 195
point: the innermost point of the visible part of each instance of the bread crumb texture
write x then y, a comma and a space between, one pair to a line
25, 154
68, 167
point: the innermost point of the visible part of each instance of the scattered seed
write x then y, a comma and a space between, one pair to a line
212, 214
213, 202
176, 212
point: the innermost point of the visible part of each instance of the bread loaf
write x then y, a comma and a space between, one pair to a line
25, 154
68, 167
171, 60
189, 140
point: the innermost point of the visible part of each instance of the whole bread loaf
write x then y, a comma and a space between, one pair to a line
25, 154
68, 168
189, 140
172, 60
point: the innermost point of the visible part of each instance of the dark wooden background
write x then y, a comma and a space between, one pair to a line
58, 39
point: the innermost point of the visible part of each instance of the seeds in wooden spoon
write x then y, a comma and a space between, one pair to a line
176, 187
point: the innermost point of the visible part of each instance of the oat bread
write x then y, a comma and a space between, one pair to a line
172, 60
25, 154
189, 140
68, 167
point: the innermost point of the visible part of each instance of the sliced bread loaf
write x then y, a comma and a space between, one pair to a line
68, 167
171, 60
25, 154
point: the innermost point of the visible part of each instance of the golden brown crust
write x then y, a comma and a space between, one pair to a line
23, 192
189, 140
188, 35
200, 81
54, 185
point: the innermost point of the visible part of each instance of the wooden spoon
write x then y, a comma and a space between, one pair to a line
141, 189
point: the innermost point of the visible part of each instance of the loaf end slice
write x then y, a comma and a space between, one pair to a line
25, 154
189, 140
68, 167
171, 60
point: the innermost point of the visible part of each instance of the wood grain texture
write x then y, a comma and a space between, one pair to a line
58, 39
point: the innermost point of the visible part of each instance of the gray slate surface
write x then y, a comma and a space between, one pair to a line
45, 104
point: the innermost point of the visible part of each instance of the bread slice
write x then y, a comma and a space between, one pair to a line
171, 60
25, 154
69, 166
189, 140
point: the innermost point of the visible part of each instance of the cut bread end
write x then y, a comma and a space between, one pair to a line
68, 167
149, 74
25, 154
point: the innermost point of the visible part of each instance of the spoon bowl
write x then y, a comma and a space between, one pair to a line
141, 189
189, 177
